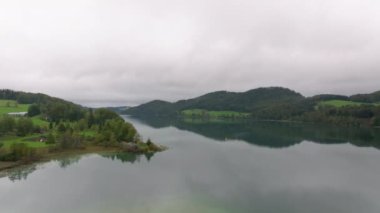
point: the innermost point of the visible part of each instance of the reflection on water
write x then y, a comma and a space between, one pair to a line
68, 160
210, 167
272, 134
128, 157
266, 134
22, 172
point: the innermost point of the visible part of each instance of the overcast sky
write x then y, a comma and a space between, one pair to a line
111, 52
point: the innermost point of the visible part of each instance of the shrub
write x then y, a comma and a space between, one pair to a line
50, 139
7, 124
24, 126
33, 110
61, 128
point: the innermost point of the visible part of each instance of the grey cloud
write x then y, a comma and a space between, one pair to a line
126, 52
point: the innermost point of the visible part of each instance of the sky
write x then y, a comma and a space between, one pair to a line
127, 52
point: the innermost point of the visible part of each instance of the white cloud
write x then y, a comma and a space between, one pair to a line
128, 52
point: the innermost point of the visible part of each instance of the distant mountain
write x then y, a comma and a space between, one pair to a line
156, 108
328, 97
271, 103
366, 98
363, 98
221, 100
118, 109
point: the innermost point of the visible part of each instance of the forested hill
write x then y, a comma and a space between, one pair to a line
27, 97
221, 100
272, 103
54, 108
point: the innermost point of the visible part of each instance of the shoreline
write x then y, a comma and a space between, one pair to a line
5, 165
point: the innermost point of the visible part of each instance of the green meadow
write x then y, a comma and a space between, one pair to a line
7, 106
342, 103
31, 140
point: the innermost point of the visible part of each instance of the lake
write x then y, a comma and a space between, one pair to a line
219, 166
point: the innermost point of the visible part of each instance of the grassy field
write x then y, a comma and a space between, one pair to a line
340, 103
7, 106
39, 122
214, 114
30, 140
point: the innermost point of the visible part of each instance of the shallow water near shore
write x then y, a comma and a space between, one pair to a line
210, 167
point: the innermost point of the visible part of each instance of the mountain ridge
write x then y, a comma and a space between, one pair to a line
220, 100
272, 103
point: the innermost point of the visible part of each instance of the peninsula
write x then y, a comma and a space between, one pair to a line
37, 126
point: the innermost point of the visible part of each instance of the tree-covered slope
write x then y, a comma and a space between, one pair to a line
273, 103
53, 108
157, 108
221, 100
367, 98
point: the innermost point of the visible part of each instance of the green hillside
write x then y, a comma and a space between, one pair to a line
272, 103
366, 98
244, 102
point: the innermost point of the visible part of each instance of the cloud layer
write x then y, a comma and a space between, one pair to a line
101, 52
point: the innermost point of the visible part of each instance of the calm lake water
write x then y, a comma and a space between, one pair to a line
211, 167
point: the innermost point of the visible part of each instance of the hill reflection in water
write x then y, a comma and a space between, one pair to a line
271, 134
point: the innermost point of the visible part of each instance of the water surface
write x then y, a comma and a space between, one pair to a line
211, 167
